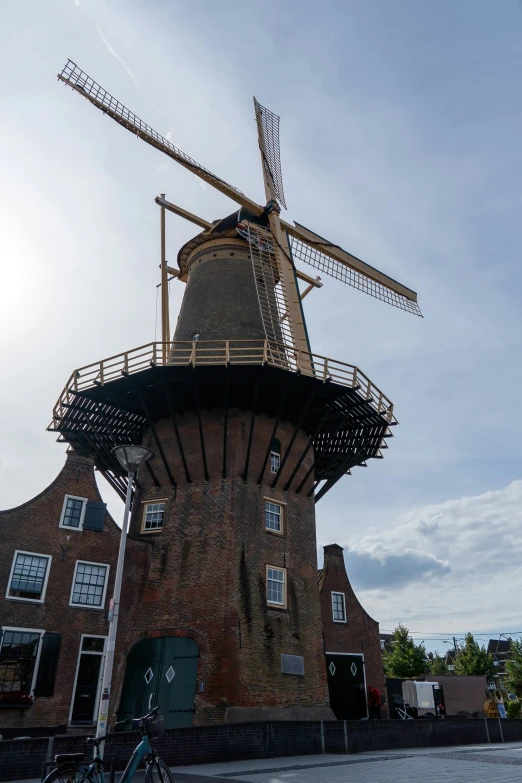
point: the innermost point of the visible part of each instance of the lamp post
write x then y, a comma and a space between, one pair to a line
130, 458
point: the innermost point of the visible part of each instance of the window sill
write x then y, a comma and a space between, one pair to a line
279, 533
27, 600
91, 608
279, 607
13, 706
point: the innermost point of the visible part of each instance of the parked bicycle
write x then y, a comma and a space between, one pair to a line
70, 768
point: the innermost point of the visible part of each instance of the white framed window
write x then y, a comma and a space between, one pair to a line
276, 586
73, 512
274, 514
338, 608
153, 516
19, 659
275, 461
89, 585
28, 577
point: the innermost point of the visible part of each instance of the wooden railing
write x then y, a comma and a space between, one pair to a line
222, 352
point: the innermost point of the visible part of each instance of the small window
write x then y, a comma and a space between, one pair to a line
18, 656
89, 585
29, 574
73, 512
338, 608
196, 336
276, 586
273, 516
153, 514
93, 644
275, 455
275, 461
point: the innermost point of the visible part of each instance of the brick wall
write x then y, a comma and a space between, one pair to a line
462, 694
34, 527
360, 633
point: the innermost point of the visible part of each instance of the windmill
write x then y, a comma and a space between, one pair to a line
249, 428
275, 246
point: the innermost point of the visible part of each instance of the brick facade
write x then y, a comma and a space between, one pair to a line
208, 574
34, 527
360, 633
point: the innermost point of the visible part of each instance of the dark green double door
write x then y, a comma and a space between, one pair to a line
161, 672
347, 686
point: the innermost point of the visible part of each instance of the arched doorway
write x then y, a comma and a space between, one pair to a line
163, 672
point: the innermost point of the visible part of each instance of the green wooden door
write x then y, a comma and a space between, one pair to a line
161, 672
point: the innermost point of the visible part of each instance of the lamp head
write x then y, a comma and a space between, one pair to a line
130, 457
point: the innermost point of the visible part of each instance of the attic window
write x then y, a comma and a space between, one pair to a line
195, 337
338, 608
73, 512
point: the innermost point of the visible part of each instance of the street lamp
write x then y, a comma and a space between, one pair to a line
130, 458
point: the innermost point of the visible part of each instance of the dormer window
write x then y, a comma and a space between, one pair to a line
196, 336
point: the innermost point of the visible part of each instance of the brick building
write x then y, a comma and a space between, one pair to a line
221, 617
351, 641
58, 557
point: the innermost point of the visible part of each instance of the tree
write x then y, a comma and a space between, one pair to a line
406, 658
471, 658
514, 709
438, 665
514, 669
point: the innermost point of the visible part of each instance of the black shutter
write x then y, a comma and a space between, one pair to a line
94, 518
48, 664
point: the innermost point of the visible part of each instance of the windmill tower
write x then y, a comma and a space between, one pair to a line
250, 429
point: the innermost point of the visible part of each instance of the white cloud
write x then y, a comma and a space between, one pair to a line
456, 563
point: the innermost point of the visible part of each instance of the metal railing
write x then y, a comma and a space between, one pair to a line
222, 352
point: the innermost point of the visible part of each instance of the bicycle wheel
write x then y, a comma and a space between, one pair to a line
66, 774
158, 772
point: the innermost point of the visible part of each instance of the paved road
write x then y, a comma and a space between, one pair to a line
447, 765
422, 765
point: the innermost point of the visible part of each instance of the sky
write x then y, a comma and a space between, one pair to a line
400, 141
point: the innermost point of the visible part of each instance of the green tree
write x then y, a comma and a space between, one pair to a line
514, 669
438, 665
514, 709
471, 658
406, 658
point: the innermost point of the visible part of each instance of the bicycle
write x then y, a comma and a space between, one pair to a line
69, 767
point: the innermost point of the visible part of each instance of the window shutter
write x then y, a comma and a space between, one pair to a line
94, 518
48, 664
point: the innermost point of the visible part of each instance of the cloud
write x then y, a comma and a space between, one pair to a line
379, 567
446, 564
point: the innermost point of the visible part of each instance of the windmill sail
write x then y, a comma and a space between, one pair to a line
365, 279
86, 86
269, 127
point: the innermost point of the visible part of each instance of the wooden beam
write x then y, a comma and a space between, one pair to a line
184, 213
315, 282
